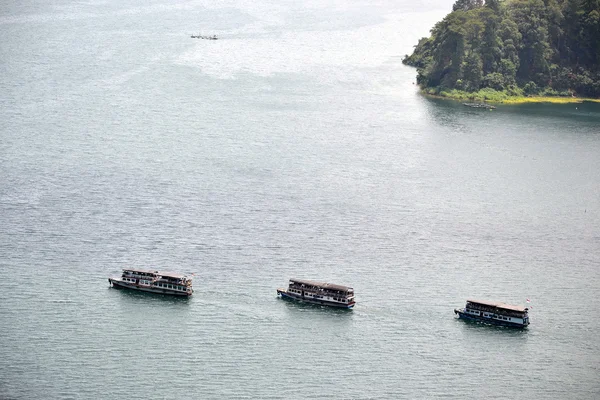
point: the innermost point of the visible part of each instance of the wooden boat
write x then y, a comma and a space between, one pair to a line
213, 37
480, 105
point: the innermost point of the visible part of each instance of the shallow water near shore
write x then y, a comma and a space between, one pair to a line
296, 145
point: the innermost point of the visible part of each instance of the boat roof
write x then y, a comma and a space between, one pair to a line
324, 285
172, 274
161, 273
499, 305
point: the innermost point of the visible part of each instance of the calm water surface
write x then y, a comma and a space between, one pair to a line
294, 146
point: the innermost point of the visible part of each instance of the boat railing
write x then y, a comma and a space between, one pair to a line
332, 295
498, 311
321, 291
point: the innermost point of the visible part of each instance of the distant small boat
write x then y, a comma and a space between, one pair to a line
479, 105
213, 37
494, 313
322, 293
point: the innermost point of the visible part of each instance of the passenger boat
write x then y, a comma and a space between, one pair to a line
494, 313
323, 293
154, 281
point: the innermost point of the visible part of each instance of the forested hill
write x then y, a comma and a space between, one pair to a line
517, 47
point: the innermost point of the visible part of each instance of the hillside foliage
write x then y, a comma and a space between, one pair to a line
517, 47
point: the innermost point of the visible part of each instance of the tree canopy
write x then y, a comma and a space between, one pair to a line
520, 46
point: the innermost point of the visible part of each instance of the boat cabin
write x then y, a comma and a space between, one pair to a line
313, 286
497, 308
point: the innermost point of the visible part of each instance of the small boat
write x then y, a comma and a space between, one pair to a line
153, 281
322, 293
480, 105
494, 313
213, 37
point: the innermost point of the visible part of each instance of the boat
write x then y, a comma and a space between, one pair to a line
171, 283
323, 293
213, 37
480, 105
494, 313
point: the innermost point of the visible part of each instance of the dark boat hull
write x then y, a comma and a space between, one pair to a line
132, 286
489, 321
288, 296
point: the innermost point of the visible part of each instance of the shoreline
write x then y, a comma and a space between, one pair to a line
514, 100
549, 99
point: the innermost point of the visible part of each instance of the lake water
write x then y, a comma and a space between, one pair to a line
296, 145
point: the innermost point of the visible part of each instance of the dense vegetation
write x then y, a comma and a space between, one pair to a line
495, 49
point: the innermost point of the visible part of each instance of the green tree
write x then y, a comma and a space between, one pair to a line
472, 72
495, 80
519, 46
466, 5
491, 45
534, 52
448, 53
